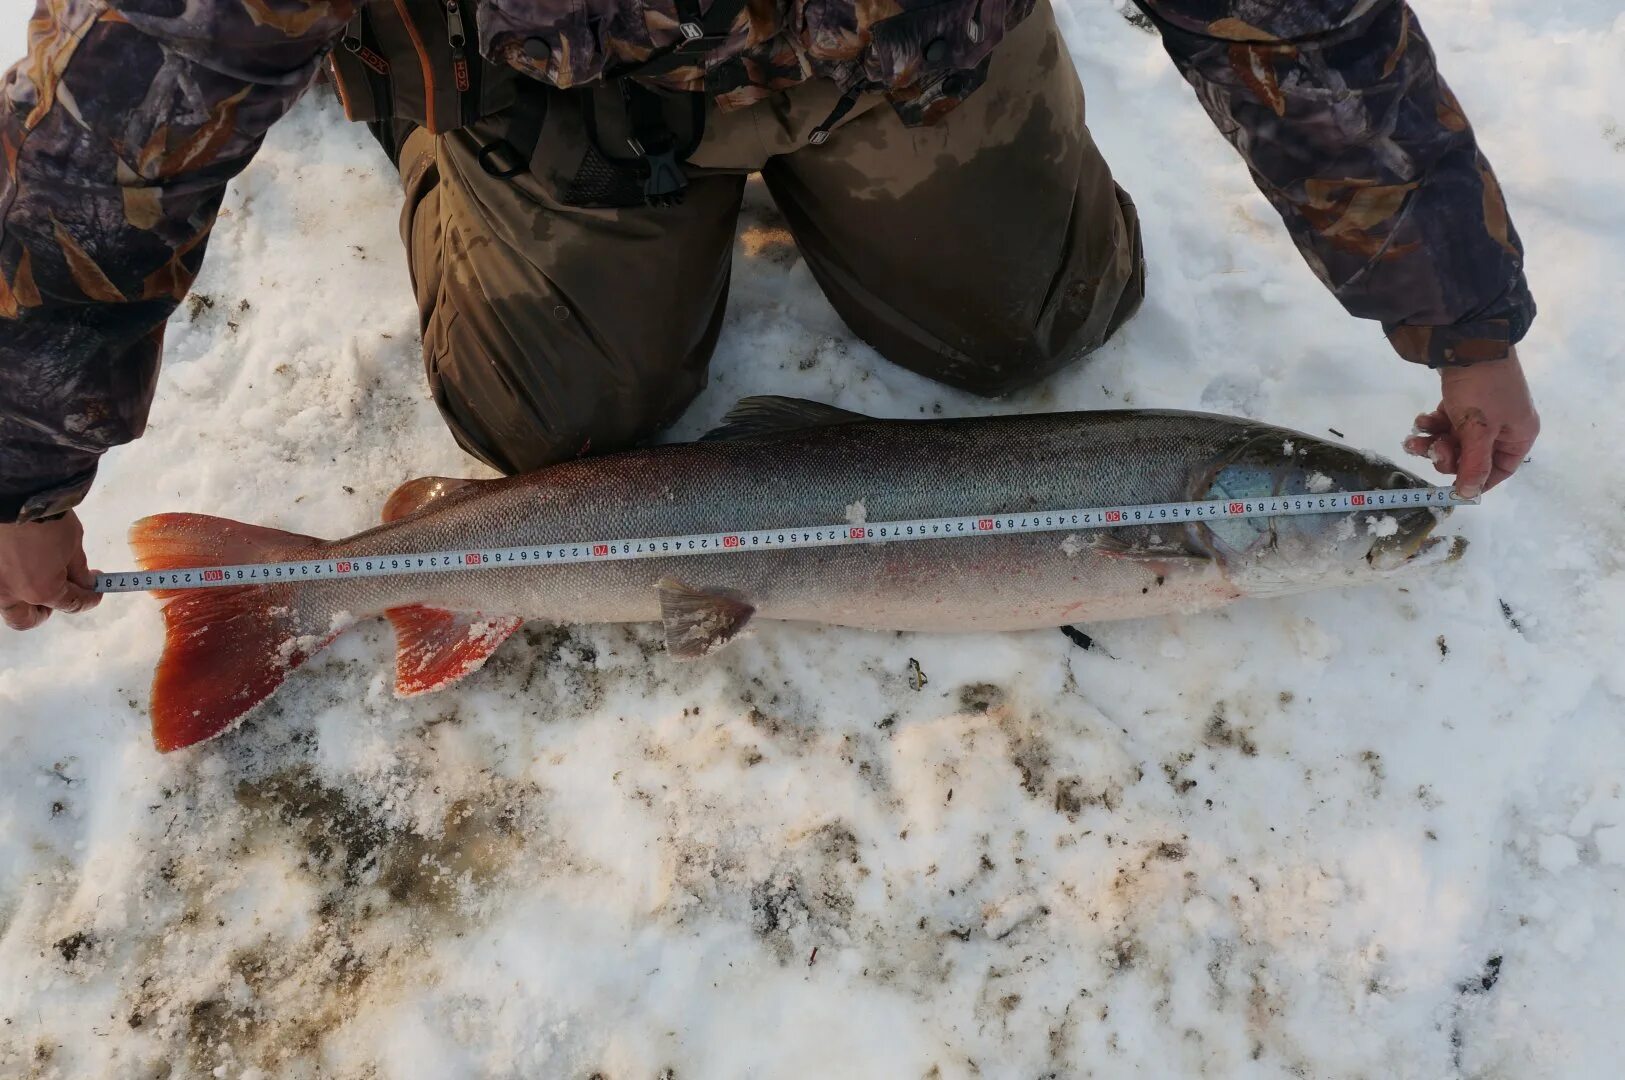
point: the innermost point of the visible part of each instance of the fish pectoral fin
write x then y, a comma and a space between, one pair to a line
415, 495
1115, 545
434, 647
770, 414
699, 622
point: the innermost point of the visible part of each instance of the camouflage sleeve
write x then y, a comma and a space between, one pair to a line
1351, 132
119, 132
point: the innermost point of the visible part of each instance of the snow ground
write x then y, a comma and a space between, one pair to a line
1375, 833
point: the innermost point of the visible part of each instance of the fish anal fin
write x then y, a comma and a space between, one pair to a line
434, 647
425, 491
771, 414
698, 621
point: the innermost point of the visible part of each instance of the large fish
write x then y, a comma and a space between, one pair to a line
774, 463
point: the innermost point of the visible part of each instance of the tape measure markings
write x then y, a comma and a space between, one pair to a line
746, 540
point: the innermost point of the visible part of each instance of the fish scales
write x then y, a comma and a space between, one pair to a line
898, 469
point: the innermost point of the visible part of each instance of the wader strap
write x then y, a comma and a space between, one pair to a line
689, 24
820, 134
653, 141
714, 29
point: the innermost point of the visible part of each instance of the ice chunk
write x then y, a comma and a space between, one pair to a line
1382, 524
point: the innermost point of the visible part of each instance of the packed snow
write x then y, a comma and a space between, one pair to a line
1362, 833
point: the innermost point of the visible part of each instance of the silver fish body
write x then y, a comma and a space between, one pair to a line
792, 464
893, 470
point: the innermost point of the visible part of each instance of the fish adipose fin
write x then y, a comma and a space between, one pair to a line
225, 649
771, 415
699, 622
425, 491
435, 648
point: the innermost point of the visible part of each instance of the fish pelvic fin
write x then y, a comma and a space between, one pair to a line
770, 414
225, 649
699, 622
425, 491
434, 648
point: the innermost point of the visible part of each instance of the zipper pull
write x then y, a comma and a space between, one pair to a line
352, 43
454, 27
454, 31
352, 32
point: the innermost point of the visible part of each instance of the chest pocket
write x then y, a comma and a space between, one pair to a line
930, 58
418, 60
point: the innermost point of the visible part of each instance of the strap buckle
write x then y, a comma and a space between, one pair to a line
501, 160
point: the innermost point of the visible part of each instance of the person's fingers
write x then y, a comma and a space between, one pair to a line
1444, 453
1477, 453
80, 573
73, 599
1433, 423
78, 592
21, 616
1418, 445
1507, 459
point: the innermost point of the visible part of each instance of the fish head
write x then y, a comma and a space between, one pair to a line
1274, 555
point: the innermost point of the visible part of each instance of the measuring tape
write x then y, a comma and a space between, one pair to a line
809, 536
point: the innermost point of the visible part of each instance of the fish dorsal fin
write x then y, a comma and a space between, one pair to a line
434, 648
770, 414
697, 621
414, 495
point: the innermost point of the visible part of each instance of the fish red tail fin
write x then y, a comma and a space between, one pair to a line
226, 649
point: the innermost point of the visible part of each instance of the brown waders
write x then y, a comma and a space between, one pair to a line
986, 251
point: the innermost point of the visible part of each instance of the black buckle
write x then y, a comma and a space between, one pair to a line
511, 163
666, 183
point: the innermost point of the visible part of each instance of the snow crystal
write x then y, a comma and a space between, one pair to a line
297, 647
857, 513
1320, 483
1382, 525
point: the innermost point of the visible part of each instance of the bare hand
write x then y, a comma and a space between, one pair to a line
43, 569
1484, 427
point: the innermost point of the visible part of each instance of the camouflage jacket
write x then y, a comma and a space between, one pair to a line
122, 127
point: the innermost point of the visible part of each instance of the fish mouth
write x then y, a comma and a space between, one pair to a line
1438, 549
1415, 545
